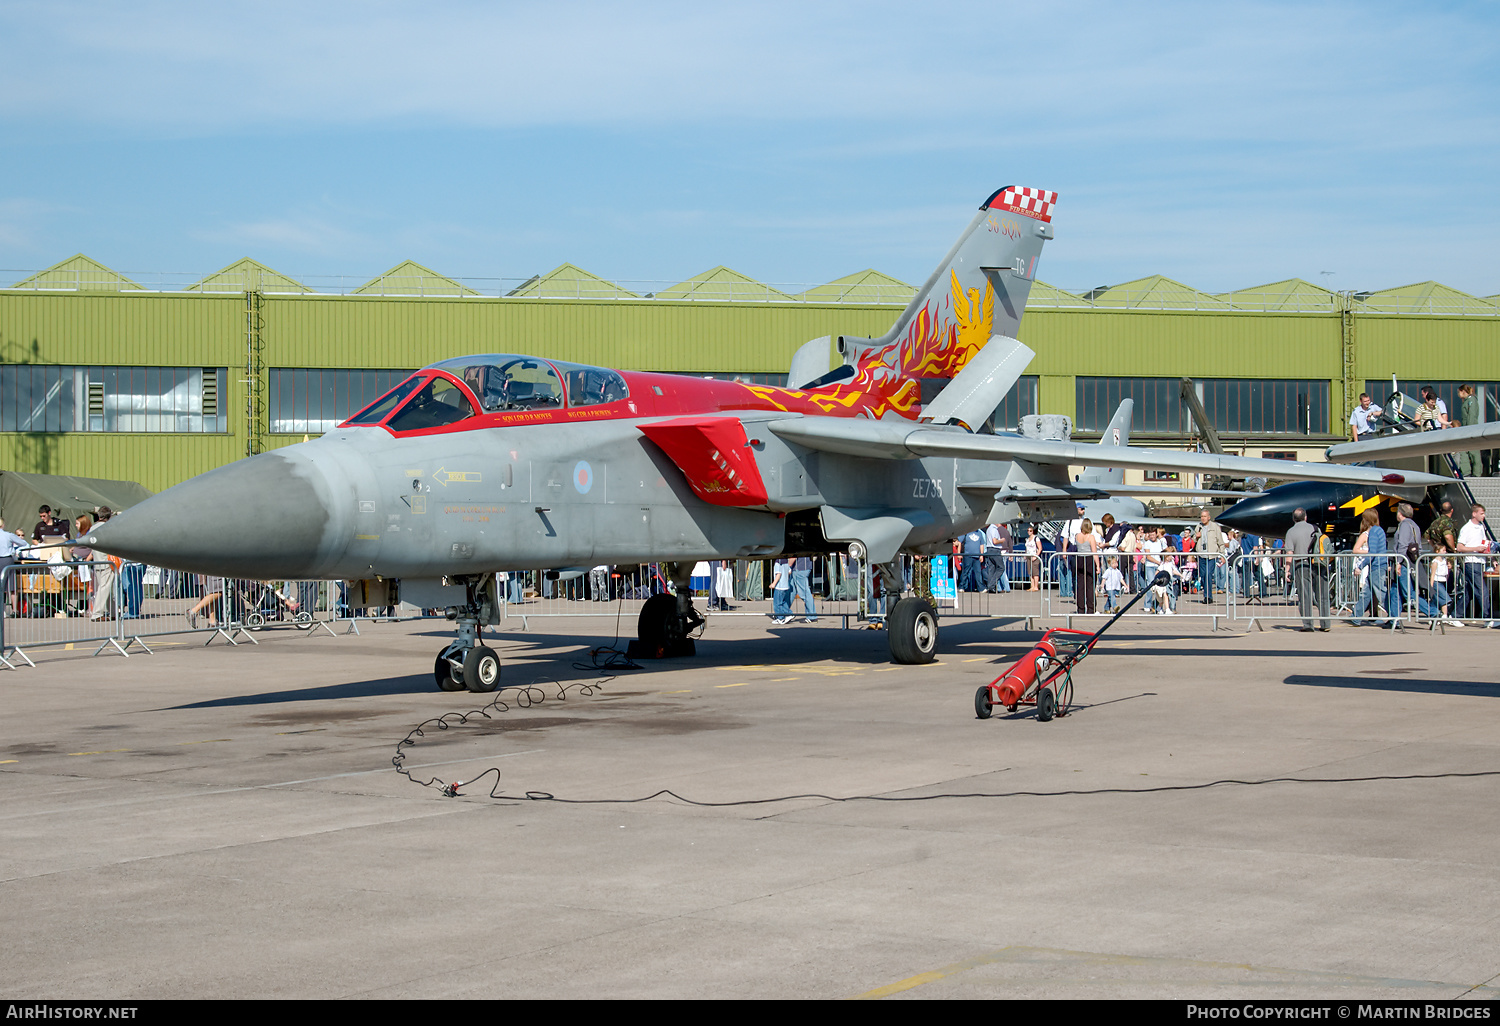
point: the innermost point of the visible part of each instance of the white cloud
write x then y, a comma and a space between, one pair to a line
310, 235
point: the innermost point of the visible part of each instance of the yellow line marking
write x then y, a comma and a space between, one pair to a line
105, 751
775, 680
68, 647
896, 988
740, 685
5, 761
687, 691
977, 659
888, 669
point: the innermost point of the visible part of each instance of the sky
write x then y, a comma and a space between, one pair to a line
1356, 145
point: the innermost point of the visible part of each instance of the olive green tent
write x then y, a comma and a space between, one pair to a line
22, 494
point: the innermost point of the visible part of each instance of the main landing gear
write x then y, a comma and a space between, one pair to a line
465, 663
913, 629
667, 622
911, 625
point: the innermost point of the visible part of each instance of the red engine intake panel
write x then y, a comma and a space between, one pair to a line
714, 455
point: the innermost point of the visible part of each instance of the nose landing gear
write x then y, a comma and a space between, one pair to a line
465, 663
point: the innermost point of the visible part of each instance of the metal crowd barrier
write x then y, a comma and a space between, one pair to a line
621, 592
58, 604
1181, 597
80, 603
1457, 589
1365, 588
989, 586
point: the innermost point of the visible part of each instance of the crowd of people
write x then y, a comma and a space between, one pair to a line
1441, 574
1111, 560
1368, 419
58, 543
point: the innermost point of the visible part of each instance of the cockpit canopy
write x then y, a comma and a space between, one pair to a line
497, 383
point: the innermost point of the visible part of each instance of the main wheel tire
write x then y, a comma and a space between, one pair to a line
1046, 705
913, 631
481, 669
983, 707
658, 625
442, 672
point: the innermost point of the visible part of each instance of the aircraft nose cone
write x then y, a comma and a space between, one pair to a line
1270, 514
264, 517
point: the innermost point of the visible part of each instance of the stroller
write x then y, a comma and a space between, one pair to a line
257, 603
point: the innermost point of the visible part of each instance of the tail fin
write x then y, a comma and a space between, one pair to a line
978, 291
1118, 433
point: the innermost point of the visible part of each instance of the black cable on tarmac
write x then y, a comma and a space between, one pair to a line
528, 695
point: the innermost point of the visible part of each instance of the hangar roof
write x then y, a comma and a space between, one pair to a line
867, 286
1290, 294
721, 285
244, 275
410, 278
568, 281
1043, 294
1157, 292
1426, 297
80, 273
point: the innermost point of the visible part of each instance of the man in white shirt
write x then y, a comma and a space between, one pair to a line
1359, 420
1472, 538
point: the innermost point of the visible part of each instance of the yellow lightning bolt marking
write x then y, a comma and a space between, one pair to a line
1359, 504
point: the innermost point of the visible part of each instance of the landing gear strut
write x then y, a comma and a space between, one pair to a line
465, 663
666, 622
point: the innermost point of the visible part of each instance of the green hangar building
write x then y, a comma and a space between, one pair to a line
102, 375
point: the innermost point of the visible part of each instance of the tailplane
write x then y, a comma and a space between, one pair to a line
977, 292
1117, 433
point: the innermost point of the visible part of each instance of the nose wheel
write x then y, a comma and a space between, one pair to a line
481, 670
474, 669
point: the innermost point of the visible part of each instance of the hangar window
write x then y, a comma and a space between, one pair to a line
379, 410
1157, 403
310, 400
1019, 402
153, 400
1266, 406
1247, 406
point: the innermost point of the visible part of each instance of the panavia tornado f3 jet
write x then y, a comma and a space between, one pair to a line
509, 462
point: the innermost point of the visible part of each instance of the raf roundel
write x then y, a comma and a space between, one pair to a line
583, 477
